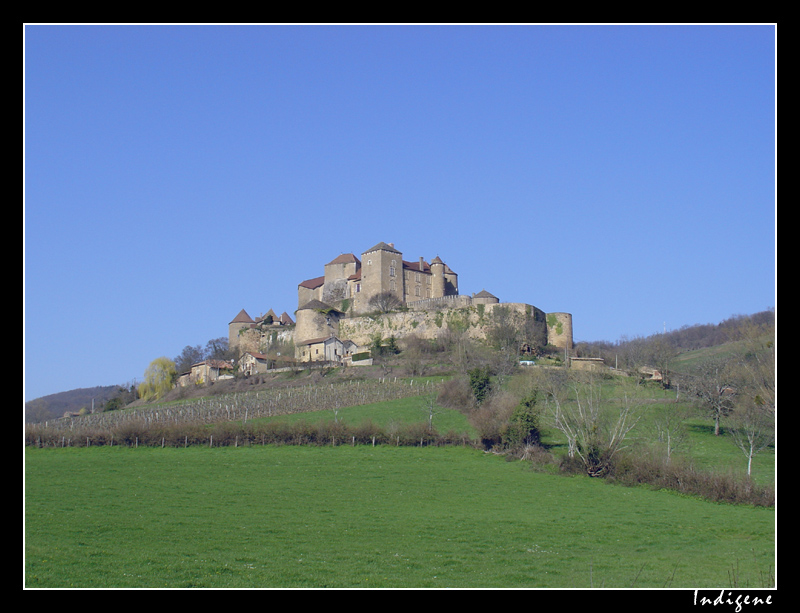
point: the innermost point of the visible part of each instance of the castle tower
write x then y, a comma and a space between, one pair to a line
484, 297
450, 282
242, 321
381, 271
316, 320
438, 282
559, 330
337, 273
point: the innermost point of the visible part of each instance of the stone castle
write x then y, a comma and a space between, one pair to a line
417, 297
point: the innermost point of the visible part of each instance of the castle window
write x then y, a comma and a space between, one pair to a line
416, 291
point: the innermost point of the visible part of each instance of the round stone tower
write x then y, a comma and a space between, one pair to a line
484, 297
438, 281
242, 321
559, 330
316, 320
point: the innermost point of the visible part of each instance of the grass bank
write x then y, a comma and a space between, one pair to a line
368, 517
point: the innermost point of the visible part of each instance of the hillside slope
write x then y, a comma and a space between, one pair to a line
55, 405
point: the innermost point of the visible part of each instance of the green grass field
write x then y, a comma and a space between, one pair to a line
368, 517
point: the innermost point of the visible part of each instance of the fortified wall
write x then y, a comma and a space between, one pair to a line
474, 320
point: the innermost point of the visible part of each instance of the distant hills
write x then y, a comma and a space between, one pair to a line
55, 405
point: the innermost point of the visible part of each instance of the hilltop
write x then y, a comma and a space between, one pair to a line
56, 405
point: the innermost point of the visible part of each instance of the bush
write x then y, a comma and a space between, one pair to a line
481, 383
456, 394
523, 426
491, 419
651, 469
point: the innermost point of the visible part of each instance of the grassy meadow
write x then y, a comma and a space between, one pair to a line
362, 516
384, 516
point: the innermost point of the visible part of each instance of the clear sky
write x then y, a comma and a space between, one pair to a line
175, 175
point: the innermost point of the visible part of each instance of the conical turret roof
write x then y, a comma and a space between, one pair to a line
243, 318
317, 305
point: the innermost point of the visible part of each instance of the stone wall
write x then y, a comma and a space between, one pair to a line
474, 320
445, 302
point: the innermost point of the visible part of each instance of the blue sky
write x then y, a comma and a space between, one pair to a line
177, 174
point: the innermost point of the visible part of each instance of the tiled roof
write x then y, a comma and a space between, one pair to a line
324, 339
214, 364
243, 318
415, 266
317, 305
382, 247
285, 319
345, 258
314, 341
313, 283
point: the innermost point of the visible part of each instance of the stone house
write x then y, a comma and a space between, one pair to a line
252, 362
206, 371
325, 349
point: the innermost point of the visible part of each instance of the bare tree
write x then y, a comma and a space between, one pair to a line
190, 355
752, 422
385, 301
431, 408
713, 385
661, 353
595, 428
670, 429
752, 430
755, 370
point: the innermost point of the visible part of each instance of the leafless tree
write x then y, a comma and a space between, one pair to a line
713, 385
385, 302
752, 422
752, 430
596, 428
670, 428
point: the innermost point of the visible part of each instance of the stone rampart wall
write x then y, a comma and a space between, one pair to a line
474, 320
445, 302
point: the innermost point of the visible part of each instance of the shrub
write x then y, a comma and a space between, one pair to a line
417, 434
456, 394
480, 382
491, 419
523, 425
651, 469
